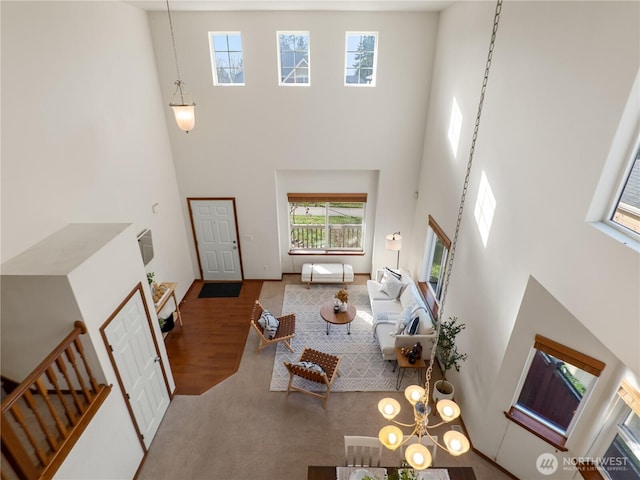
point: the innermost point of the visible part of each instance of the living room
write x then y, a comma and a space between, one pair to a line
87, 136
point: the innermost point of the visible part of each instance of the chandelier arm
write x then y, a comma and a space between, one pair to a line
405, 424
454, 243
433, 439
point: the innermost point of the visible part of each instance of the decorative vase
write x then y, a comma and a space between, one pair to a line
336, 306
343, 306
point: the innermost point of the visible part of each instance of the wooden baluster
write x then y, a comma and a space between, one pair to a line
53, 378
80, 348
54, 414
74, 364
19, 417
31, 402
15, 453
62, 366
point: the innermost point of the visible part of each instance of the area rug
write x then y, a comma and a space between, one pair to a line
361, 367
219, 290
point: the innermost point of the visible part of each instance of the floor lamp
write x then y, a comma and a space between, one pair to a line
394, 243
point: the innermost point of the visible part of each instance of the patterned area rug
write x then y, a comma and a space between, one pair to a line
361, 367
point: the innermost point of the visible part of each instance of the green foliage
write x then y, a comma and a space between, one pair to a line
447, 351
150, 276
404, 473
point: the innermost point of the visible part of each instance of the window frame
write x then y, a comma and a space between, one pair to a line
534, 423
633, 156
374, 67
434, 233
280, 33
327, 198
214, 64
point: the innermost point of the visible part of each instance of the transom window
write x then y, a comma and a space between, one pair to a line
324, 223
557, 382
626, 209
361, 55
293, 58
227, 64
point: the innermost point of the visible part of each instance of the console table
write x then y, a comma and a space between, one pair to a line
170, 293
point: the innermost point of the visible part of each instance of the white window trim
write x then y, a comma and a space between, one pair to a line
214, 66
375, 60
293, 32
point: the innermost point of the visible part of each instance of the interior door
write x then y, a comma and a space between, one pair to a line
216, 236
138, 365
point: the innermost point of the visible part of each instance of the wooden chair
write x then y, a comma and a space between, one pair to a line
286, 329
362, 451
329, 364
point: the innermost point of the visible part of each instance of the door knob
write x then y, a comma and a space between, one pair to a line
157, 359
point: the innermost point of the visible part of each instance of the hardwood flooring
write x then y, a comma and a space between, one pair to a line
208, 348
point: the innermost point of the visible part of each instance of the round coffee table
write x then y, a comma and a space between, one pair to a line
340, 318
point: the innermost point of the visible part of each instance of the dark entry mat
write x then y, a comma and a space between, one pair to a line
210, 290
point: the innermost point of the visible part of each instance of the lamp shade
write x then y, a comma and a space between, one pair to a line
389, 408
414, 393
391, 437
456, 443
418, 456
185, 116
448, 410
393, 241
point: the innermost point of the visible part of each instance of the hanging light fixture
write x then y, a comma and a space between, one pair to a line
455, 442
183, 111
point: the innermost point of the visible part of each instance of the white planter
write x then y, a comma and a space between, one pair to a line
442, 390
343, 306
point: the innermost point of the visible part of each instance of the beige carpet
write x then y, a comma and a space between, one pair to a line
240, 430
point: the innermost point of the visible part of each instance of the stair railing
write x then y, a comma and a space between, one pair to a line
43, 417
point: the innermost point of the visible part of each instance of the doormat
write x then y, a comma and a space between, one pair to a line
212, 290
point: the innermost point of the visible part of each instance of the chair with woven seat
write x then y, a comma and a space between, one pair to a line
285, 332
307, 368
362, 451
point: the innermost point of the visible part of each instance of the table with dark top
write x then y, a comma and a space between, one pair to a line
329, 473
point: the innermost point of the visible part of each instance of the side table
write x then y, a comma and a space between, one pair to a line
170, 293
403, 364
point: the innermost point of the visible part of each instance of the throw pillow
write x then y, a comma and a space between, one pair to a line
399, 328
413, 328
392, 287
310, 366
269, 324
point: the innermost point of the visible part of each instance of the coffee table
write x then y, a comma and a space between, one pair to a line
340, 318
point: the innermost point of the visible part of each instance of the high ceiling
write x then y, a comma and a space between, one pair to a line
344, 5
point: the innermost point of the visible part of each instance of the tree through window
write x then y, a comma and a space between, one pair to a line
361, 58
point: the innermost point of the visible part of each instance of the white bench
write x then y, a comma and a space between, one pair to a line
327, 273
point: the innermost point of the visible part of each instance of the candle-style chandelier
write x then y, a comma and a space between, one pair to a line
455, 442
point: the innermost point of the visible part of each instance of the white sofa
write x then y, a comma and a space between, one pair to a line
388, 310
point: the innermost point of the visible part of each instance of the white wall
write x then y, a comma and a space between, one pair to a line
243, 135
84, 137
556, 95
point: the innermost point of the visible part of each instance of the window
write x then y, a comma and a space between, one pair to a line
434, 265
227, 64
361, 57
626, 209
293, 58
326, 223
558, 380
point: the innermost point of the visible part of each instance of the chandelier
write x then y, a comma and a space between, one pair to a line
455, 442
183, 111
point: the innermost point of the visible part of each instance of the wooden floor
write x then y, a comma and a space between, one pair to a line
208, 348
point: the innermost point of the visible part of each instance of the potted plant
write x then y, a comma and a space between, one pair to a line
343, 297
448, 356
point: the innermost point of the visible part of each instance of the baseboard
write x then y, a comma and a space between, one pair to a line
494, 464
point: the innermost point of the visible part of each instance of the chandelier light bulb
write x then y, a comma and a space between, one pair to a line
391, 437
418, 456
389, 408
456, 443
414, 393
448, 410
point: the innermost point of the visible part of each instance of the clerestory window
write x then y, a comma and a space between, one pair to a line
326, 223
294, 66
625, 212
227, 64
553, 390
361, 57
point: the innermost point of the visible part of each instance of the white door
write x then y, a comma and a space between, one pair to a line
138, 365
214, 225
